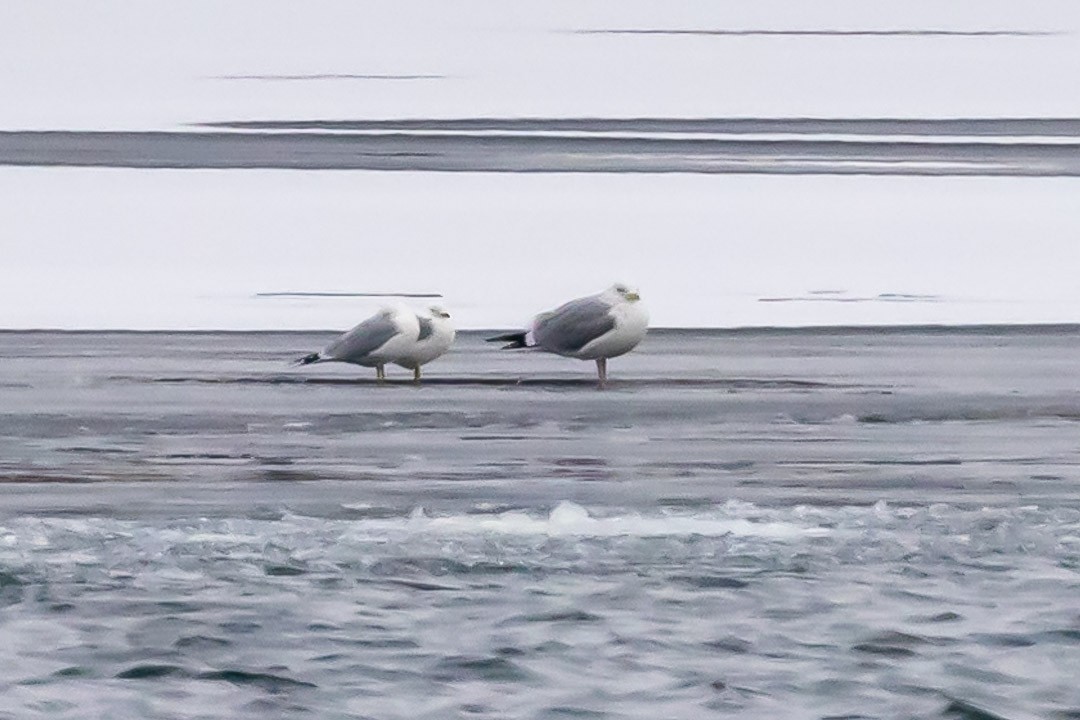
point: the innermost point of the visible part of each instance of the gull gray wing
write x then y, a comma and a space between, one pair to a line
569, 328
364, 339
426, 327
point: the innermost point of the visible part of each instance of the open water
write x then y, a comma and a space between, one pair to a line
799, 524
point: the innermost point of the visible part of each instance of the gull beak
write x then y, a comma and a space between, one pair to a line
633, 296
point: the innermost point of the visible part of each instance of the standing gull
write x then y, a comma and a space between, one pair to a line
379, 340
436, 335
597, 327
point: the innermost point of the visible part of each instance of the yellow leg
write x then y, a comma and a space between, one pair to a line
601, 370
380, 373
416, 374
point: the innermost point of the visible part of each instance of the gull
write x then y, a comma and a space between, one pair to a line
596, 327
436, 335
379, 340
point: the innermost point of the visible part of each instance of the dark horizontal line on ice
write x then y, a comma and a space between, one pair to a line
837, 298
482, 381
346, 295
1006, 329
821, 32
330, 76
537, 154
1006, 126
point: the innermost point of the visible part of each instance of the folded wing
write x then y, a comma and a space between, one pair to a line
571, 327
364, 339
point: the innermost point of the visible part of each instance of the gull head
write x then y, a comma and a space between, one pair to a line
624, 293
438, 312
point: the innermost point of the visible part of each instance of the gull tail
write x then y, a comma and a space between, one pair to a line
309, 359
513, 340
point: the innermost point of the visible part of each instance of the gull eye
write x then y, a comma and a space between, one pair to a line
621, 289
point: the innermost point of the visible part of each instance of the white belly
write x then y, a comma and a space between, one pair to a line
631, 324
394, 348
424, 351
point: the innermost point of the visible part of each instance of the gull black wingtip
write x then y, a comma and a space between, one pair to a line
513, 340
308, 359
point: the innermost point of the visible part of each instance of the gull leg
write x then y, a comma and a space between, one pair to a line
416, 374
380, 373
601, 370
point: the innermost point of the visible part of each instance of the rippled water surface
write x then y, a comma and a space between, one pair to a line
802, 524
